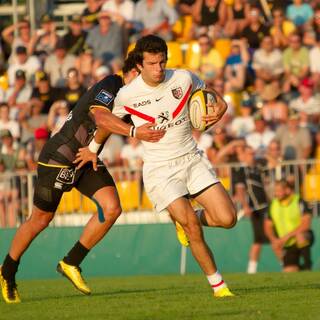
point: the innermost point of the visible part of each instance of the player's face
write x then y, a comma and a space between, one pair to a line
153, 68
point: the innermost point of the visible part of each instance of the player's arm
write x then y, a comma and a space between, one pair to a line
218, 109
305, 223
107, 121
276, 243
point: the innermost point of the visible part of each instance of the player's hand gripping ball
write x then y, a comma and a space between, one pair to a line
201, 103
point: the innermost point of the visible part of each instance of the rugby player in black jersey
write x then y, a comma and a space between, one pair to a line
57, 173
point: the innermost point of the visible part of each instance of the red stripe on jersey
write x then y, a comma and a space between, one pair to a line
182, 103
218, 284
140, 114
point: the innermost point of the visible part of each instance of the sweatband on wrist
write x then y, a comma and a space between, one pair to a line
132, 131
94, 146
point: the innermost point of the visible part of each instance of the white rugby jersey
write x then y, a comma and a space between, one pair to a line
165, 105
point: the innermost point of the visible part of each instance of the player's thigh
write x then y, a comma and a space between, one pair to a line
46, 196
100, 186
163, 184
217, 203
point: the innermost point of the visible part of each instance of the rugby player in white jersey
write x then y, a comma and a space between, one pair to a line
174, 169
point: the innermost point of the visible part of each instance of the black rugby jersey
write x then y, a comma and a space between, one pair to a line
78, 130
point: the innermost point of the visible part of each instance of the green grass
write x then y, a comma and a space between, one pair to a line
262, 296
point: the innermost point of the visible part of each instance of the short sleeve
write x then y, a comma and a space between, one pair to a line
197, 83
119, 107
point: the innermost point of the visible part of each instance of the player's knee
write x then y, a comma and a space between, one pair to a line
231, 220
40, 222
112, 210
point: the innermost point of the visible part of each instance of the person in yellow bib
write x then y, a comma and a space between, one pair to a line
288, 228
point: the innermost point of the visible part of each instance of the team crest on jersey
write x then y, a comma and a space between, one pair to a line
177, 92
104, 97
163, 117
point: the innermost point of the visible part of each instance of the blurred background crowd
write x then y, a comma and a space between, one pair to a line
262, 56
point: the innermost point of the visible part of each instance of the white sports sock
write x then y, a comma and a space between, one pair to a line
252, 267
216, 281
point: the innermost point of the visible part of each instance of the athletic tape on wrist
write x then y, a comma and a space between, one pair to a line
94, 146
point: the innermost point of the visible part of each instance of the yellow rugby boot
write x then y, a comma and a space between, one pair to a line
9, 290
73, 273
181, 235
223, 292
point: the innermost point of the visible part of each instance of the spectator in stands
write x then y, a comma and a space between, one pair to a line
101, 72
131, 156
185, 7
22, 39
8, 124
73, 89
295, 141
220, 140
315, 61
35, 146
86, 66
288, 227
44, 40
57, 116
155, 17
237, 17
208, 63
299, 12
296, 63
243, 124
249, 193
274, 110
260, 138
274, 159
121, 11
256, 30
58, 64
267, 64
90, 13
9, 149
8, 199
236, 65
307, 102
19, 96
75, 37
316, 20
281, 28
210, 16
34, 120
111, 152
43, 95
29, 64
106, 39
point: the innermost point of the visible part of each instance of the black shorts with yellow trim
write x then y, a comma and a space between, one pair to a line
291, 256
52, 181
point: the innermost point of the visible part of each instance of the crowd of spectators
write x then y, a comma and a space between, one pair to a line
262, 56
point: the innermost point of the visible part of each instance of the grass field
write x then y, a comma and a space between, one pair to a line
262, 296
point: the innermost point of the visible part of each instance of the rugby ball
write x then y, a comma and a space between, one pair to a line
198, 108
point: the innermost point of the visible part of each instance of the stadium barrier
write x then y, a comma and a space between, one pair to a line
16, 192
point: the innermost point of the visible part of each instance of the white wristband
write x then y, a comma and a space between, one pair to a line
93, 146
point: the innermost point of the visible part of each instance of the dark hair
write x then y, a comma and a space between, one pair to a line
130, 63
285, 183
151, 44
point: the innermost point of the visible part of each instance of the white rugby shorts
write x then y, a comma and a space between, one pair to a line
167, 181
